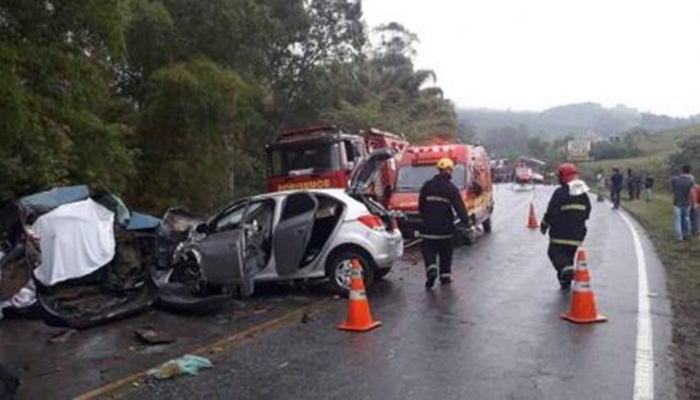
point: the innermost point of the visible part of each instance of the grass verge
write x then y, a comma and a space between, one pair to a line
682, 263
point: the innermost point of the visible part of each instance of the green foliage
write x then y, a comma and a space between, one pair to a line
193, 120
56, 65
689, 154
172, 101
615, 148
386, 91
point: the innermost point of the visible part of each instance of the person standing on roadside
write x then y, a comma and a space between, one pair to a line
565, 219
438, 197
616, 188
683, 194
648, 185
638, 183
630, 184
695, 212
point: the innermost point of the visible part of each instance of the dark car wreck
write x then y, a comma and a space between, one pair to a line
76, 257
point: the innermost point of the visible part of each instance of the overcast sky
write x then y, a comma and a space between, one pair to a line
534, 54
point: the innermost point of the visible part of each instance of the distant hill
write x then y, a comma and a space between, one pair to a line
568, 119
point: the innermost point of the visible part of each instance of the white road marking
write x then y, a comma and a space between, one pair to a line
644, 358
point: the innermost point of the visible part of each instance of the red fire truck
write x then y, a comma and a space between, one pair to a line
471, 175
325, 156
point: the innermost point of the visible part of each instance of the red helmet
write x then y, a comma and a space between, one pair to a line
567, 172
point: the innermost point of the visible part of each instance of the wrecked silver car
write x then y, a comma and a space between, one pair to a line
295, 235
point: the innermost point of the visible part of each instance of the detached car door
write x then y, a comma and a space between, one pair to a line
293, 232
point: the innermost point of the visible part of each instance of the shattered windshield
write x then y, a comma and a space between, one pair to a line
412, 177
306, 159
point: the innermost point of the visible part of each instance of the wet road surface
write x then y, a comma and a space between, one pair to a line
494, 333
95, 357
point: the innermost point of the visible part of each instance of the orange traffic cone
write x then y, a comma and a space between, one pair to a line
532, 219
359, 317
583, 310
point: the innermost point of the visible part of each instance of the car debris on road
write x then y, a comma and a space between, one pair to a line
153, 337
185, 365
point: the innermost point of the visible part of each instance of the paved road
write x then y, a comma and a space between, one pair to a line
494, 333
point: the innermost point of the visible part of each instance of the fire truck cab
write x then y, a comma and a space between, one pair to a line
471, 175
325, 156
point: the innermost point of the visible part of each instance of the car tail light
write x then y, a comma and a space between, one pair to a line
372, 222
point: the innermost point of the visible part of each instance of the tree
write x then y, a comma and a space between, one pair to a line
174, 99
688, 154
393, 94
331, 34
194, 123
56, 65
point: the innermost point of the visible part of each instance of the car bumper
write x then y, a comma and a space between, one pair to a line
388, 250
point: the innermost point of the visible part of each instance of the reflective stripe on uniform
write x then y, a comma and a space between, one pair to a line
566, 242
358, 295
438, 198
431, 267
446, 275
570, 207
436, 237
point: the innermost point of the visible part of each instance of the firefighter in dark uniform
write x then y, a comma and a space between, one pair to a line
565, 219
438, 197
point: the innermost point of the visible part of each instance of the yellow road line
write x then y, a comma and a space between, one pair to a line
211, 349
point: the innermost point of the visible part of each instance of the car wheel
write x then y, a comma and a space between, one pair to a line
487, 225
338, 271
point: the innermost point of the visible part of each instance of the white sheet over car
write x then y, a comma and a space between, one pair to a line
76, 239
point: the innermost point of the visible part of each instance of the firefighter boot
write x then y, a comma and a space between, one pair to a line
430, 275
445, 278
565, 276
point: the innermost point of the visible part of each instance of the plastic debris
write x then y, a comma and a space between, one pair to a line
185, 365
63, 336
306, 318
150, 336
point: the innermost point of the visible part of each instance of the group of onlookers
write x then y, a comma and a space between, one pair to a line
634, 182
686, 196
686, 203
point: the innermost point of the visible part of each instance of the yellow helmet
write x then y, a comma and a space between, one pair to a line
445, 163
